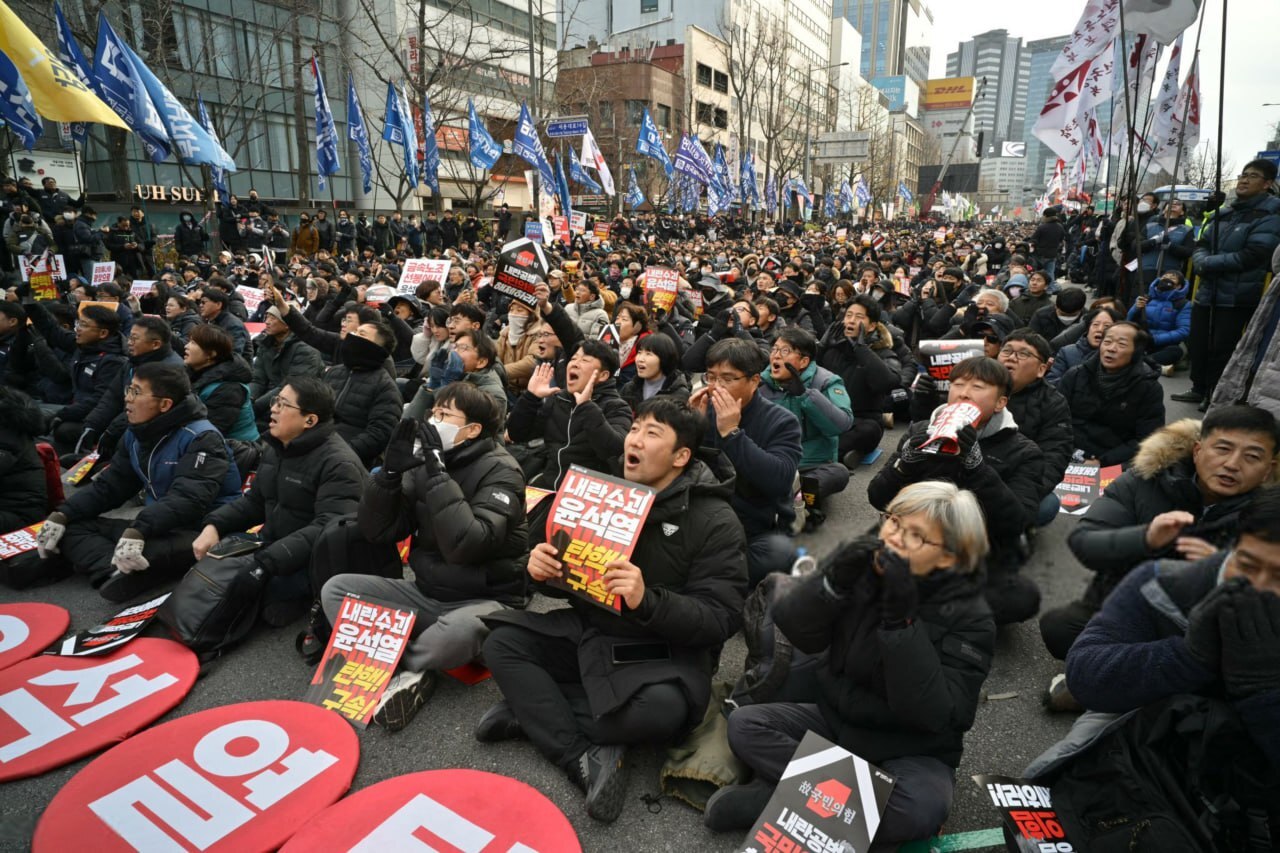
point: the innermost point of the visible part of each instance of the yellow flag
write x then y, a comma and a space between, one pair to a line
55, 89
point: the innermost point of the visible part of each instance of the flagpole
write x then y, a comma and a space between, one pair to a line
1182, 131
1222, 95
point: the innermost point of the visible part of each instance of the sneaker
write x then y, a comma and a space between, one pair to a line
736, 807
406, 693
121, 587
1204, 405
815, 519
311, 643
499, 723
600, 773
1058, 697
1192, 396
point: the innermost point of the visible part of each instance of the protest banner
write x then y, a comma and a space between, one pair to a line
54, 265
560, 224
418, 270
827, 799
533, 231
75, 475
602, 231
27, 629
115, 632
237, 777
534, 496
252, 296
940, 356
698, 301
842, 235
594, 520
89, 704
1082, 485
19, 541
367, 642
103, 272
520, 266
578, 222
1028, 813
140, 288
660, 287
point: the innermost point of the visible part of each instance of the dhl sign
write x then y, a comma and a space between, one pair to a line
947, 93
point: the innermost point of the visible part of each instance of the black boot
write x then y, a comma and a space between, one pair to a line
736, 807
601, 774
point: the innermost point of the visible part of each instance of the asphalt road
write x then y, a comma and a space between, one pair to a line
1009, 732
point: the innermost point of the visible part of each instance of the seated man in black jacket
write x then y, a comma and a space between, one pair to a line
462, 499
905, 641
581, 682
859, 349
308, 477
98, 360
178, 459
763, 443
148, 343
997, 463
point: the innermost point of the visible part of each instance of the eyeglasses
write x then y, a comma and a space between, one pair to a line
1250, 176
1020, 354
440, 414
81, 324
910, 538
133, 391
545, 335
722, 378
783, 351
463, 348
278, 402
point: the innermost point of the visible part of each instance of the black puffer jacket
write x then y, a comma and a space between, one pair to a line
693, 554
297, 491
674, 385
470, 539
1043, 416
895, 693
870, 370
225, 402
181, 327
275, 363
23, 499
1108, 425
366, 409
110, 403
589, 435
1111, 538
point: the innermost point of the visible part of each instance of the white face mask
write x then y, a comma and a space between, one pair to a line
448, 432
1144, 207
515, 327
68, 216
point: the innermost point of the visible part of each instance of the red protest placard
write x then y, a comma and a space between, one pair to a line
660, 287
602, 231
19, 541
366, 645
940, 356
521, 265
594, 520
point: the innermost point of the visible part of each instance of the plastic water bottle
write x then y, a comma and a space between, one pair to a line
804, 564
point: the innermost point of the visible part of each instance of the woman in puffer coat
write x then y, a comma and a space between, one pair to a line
1165, 312
24, 498
587, 310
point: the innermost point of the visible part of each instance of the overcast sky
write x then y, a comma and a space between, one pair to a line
1251, 56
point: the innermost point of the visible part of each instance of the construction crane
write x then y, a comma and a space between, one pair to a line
946, 164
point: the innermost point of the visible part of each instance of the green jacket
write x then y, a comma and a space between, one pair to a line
824, 411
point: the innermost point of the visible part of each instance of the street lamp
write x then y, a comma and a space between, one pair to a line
808, 113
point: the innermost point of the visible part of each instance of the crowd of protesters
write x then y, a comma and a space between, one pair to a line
345, 409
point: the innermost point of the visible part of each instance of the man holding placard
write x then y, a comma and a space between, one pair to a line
583, 682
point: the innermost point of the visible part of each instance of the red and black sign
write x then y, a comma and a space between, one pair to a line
1028, 812
113, 633
58, 709
440, 810
235, 778
520, 267
28, 629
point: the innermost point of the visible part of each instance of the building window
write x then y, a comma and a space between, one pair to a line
648, 6
722, 82
635, 112
606, 115
704, 74
662, 116
722, 119
704, 113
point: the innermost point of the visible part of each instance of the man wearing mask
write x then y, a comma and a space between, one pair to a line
144, 238
367, 402
1167, 242
85, 245
1048, 239
178, 460
583, 683
253, 232
189, 237
324, 230
278, 240
1232, 261
53, 201
305, 240
345, 233
461, 498
308, 477
432, 236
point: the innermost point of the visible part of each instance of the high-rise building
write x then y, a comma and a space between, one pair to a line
895, 36
996, 56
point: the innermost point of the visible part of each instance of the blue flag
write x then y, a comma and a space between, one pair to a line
359, 134
719, 191
16, 108
73, 57
484, 150
528, 147
122, 88
430, 148
217, 175
905, 193
635, 197
392, 124
693, 160
771, 195
846, 196
580, 175
397, 128
829, 205
692, 189
649, 143
750, 190
801, 189
862, 192
562, 188
327, 163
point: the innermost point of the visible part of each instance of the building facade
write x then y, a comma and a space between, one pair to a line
998, 57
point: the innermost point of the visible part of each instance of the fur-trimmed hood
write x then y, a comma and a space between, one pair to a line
1169, 445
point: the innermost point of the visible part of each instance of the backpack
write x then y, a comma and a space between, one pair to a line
774, 671
1182, 774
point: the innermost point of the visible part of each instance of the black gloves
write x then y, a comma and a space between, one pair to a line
842, 569
1204, 637
898, 597
399, 456
970, 454
1249, 622
925, 385
432, 447
720, 328
794, 385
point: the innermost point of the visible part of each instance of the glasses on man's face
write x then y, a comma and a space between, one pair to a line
278, 402
723, 378
911, 539
463, 348
782, 351
81, 324
1020, 354
546, 335
133, 392
1251, 176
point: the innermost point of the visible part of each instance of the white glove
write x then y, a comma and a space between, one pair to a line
128, 555
51, 534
